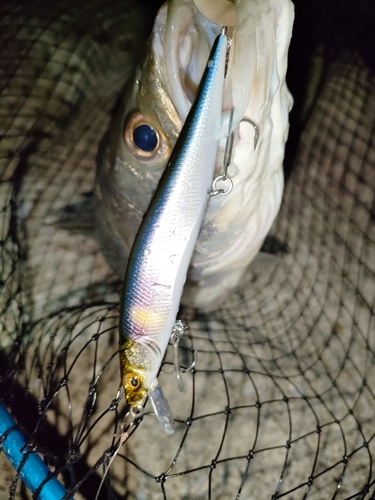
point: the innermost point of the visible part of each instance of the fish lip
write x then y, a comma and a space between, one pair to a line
220, 12
189, 39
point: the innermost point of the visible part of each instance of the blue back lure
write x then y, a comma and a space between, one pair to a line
163, 248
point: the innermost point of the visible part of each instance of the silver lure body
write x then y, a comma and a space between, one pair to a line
162, 251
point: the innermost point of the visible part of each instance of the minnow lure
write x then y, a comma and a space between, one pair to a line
162, 250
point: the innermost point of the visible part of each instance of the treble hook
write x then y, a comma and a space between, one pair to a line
256, 130
177, 332
228, 156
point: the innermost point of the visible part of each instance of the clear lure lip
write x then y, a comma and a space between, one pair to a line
161, 408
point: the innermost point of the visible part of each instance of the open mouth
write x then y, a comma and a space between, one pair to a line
185, 49
183, 39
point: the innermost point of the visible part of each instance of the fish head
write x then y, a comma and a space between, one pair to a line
131, 159
157, 101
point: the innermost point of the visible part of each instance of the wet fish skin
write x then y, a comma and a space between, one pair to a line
126, 182
161, 92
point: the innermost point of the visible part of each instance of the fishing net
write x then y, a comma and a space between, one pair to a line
281, 400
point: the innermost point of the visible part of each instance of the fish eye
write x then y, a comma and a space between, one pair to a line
145, 140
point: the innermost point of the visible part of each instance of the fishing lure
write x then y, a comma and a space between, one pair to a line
162, 250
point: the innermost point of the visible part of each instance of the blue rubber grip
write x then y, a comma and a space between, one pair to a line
33, 470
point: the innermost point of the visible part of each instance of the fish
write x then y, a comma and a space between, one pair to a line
159, 97
162, 250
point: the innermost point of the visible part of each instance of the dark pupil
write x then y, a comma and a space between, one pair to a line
145, 138
134, 381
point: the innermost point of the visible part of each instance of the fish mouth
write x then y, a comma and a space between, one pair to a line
182, 42
183, 38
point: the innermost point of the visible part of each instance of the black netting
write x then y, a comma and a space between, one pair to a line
281, 401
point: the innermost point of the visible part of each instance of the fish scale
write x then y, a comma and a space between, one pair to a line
255, 96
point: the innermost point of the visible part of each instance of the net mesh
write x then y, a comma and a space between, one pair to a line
281, 401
